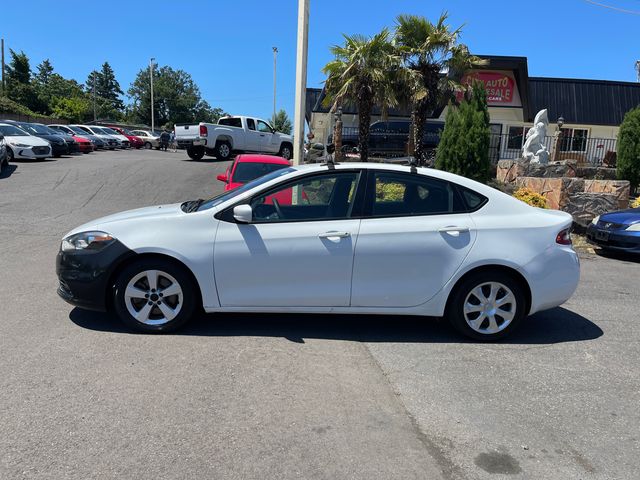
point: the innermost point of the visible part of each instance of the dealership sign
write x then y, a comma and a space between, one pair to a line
500, 86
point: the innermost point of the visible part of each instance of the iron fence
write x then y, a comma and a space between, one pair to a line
584, 149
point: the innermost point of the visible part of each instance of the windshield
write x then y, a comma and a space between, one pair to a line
35, 128
100, 131
223, 197
11, 131
247, 171
109, 131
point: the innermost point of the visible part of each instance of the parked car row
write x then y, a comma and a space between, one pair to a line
28, 140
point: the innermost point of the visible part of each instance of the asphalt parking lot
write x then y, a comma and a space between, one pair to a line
290, 396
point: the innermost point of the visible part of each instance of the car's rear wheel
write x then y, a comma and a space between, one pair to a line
147, 145
195, 153
154, 296
223, 150
487, 306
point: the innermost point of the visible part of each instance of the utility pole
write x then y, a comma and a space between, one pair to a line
275, 61
151, 77
93, 77
301, 81
2, 48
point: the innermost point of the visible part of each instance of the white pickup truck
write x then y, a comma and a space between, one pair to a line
232, 134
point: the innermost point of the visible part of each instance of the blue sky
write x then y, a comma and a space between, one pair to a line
226, 45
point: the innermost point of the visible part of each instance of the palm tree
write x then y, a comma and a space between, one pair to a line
362, 73
434, 61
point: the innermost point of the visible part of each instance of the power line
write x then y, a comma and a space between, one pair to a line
611, 7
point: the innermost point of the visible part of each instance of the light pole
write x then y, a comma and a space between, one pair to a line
301, 80
275, 60
151, 77
93, 78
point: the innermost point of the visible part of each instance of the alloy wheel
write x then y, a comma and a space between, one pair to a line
224, 150
489, 307
153, 297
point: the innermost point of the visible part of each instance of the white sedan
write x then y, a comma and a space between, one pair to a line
21, 144
350, 238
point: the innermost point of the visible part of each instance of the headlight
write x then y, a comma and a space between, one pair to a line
22, 145
633, 228
595, 220
87, 241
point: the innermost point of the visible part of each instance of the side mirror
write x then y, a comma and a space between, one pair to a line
243, 213
222, 177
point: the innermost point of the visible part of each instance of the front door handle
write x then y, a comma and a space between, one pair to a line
453, 230
334, 235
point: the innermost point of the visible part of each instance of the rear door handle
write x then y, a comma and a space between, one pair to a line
454, 230
334, 235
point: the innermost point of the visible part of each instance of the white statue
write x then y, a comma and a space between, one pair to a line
534, 149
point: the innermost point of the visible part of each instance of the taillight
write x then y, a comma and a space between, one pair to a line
564, 237
203, 130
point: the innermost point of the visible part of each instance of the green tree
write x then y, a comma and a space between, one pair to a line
74, 109
177, 98
45, 70
107, 91
18, 80
363, 73
427, 50
628, 160
464, 144
282, 123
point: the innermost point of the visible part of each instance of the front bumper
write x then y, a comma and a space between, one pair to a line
59, 149
32, 152
618, 240
84, 276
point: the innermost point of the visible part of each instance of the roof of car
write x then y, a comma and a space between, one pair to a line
261, 159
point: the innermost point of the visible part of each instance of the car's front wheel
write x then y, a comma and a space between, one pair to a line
147, 145
154, 296
10, 156
487, 306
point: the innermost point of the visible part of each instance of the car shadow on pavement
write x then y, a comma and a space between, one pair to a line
552, 326
8, 171
622, 256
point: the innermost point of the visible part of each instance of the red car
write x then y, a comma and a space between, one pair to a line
135, 142
84, 144
249, 167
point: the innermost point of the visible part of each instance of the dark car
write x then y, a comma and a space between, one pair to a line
59, 145
391, 137
619, 231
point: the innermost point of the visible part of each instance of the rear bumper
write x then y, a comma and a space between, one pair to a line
553, 277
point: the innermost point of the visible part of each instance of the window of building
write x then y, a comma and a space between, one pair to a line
516, 136
574, 139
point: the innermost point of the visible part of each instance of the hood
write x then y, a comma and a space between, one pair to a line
158, 212
627, 217
57, 139
30, 140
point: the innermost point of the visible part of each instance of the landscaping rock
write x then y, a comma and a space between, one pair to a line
619, 188
555, 190
509, 170
584, 207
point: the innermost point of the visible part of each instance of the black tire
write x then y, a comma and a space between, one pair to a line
147, 145
165, 269
10, 156
4, 164
223, 150
458, 299
57, 155
195, 153
286, 151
